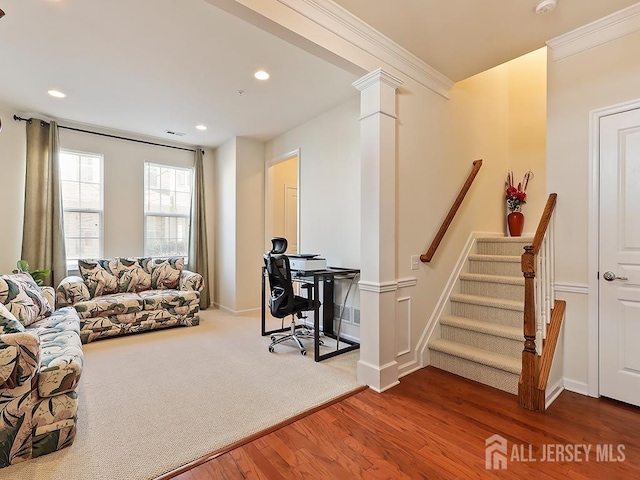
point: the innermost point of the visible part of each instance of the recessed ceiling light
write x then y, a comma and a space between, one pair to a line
201, 127
261, 75
56, 93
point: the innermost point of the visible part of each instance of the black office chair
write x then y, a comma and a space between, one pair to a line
282, 299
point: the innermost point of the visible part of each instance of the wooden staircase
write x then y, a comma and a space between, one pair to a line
480, 337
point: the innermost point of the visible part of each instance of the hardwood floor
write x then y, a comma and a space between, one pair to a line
434, 425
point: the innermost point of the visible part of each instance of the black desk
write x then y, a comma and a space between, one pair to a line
327, 279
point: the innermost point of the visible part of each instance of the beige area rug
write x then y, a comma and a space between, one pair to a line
152, 402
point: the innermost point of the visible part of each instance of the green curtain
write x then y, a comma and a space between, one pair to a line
198, 256
43, 232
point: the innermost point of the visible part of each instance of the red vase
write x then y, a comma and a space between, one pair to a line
515, 221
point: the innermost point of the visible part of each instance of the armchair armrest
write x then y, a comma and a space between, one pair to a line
191, 281
50, 294
71, 290
19, 358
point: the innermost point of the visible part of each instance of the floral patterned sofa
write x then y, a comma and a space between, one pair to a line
40, 366
130, 295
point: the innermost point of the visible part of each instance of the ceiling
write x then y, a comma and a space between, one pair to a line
461, 38
147, 66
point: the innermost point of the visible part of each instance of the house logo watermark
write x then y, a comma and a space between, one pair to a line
498, 453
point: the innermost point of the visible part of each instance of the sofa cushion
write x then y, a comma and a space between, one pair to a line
60, 363
62, 320
100, 276
23, 298
116, 304
8, 322
134, 274
165, 273
169, 299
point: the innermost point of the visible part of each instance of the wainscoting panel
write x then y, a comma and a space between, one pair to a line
403, 325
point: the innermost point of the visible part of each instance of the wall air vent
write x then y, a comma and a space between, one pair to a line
177, 134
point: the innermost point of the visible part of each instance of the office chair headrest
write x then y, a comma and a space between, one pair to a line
279, 245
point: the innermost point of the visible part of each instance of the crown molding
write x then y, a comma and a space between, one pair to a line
375, 77
347, 26
601, 31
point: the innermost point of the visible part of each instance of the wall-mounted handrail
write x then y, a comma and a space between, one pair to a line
542, 313
452, 213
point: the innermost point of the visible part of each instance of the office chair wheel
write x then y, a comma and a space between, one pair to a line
270, 349
321, 342
303, 352
273, 338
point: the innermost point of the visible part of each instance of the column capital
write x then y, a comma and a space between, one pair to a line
376, 77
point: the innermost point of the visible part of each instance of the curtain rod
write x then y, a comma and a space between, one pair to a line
28, 120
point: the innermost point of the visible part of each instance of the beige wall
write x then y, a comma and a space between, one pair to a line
13, 161
281, 175
599, 77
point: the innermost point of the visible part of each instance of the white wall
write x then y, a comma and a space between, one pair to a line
13, 162
123, 186
225, 233
599, 77
329, 187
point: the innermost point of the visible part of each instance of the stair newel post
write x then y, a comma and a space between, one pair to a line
528, 377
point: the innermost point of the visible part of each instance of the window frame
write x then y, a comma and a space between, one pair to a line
72, 265
147, 165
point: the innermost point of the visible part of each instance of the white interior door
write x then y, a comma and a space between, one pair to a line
619, 262
291, 217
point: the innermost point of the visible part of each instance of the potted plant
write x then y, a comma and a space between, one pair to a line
37, 275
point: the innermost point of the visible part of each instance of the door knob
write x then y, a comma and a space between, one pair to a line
610, 277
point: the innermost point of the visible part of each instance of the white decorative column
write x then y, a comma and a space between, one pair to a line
377, 366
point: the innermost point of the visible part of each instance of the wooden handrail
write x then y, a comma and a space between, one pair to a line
544, 222
452, 213
535, 371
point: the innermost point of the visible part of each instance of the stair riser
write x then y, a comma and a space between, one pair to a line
501, 248
502, 316
504, 346
493, 377
491, 289
495, 268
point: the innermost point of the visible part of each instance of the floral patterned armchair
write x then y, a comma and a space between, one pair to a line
130, 295
40, 366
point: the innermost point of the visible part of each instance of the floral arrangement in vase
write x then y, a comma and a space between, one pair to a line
516, 196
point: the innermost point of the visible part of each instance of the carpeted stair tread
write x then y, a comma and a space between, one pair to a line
528, 240
477, 257
484, 277
488, 301
477, 355
480, 326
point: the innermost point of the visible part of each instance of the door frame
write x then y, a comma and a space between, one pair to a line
593, 306
270, 163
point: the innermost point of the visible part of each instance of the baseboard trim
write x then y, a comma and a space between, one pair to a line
576, 387
234, 312
553, 392
378, 378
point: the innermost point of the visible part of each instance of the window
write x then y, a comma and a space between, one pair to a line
167, 209
81, 179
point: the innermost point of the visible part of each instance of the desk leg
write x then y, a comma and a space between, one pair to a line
328, 283
316, 319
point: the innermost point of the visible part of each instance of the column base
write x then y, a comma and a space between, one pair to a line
378, 378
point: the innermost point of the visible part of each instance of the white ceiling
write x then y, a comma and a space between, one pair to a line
147, 66
461, 38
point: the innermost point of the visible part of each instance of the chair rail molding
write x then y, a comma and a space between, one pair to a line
596, 33
352, 29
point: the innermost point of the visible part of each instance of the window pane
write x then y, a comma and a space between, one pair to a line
90, 225
72, 246
69, 167
70, 195
183, 203
71, 224
90, 248
90, 169
90, 196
